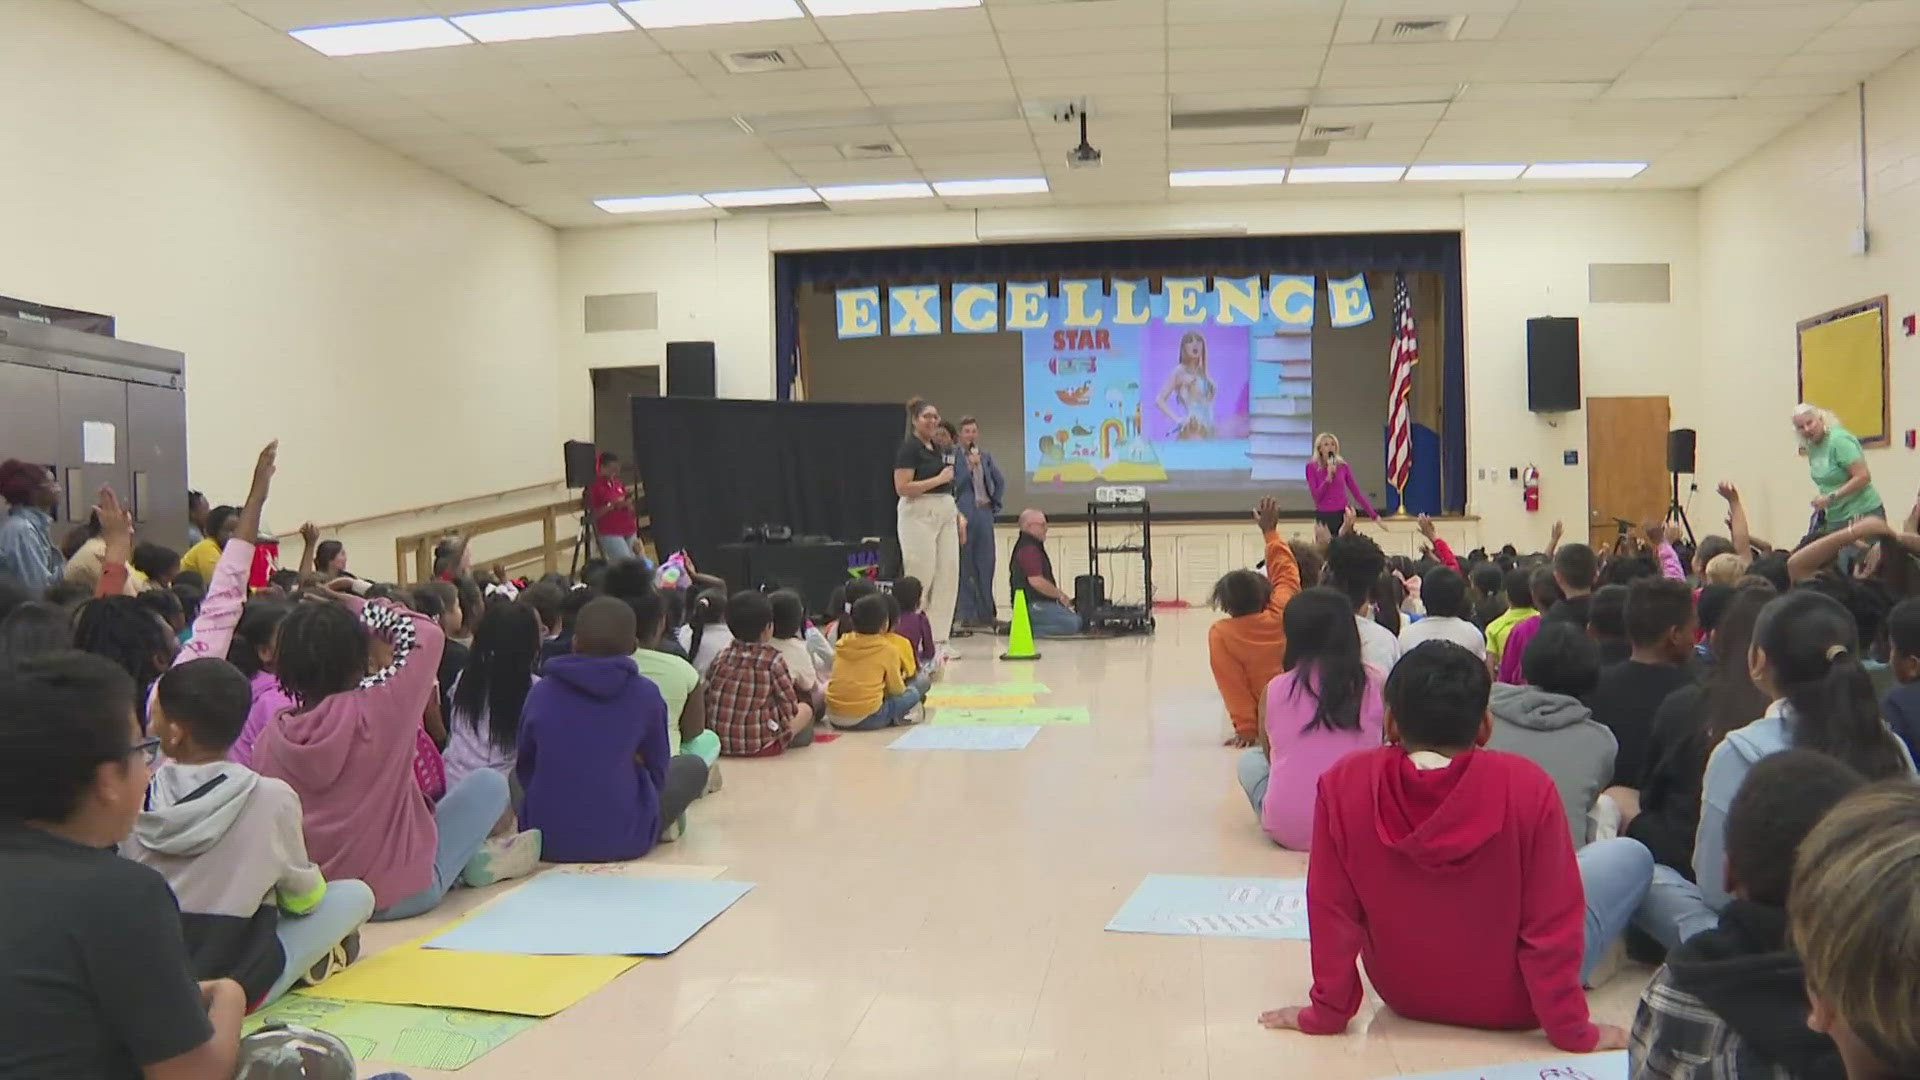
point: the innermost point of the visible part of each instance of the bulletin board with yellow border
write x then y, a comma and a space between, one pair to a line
1843, 367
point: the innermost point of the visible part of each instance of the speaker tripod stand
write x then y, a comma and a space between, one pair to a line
1678, 512
580, 553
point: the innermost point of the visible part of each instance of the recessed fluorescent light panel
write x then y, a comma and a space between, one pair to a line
526, 24
1347, 174
665, 14
960, 189
1585, 170
1226, 177
763, 197
397, 35
1465, 172
875, 192
877, 7
652, 204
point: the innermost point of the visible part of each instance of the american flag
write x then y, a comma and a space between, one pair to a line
1402, 355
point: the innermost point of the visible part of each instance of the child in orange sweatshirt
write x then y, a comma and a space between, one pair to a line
1246, 647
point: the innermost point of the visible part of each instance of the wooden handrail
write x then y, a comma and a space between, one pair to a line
430, 508
413, 554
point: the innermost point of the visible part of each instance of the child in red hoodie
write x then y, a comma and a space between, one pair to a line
1448, 869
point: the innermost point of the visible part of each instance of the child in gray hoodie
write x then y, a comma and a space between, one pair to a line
253, 907
1545, 721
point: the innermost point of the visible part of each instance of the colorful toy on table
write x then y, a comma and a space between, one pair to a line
673, 572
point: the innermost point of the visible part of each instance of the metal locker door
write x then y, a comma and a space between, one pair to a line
156, 457
29, 421
93, 442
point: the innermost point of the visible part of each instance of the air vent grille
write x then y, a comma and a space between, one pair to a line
1338, 132
1419, 28
755, 61
1216, 119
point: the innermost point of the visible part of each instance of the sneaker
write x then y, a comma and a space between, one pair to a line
713, 778
674, 830
912, 716
503, 858
338, 958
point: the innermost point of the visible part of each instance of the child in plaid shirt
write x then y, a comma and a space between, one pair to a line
751, 701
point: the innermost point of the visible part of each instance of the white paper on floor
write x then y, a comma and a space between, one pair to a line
1010, 737
1271, 908
1608, 1066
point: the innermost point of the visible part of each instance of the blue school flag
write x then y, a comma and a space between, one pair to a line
1608, 1066
1269, 908
593, 915
1009, 737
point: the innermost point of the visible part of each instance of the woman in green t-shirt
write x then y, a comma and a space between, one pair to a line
1839, 470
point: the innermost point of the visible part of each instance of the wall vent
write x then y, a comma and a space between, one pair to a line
1629, 283
756, 61
1420, 28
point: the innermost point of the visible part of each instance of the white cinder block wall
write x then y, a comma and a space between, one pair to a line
1775, 239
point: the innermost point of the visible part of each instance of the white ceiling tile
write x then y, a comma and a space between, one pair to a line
1867, 39
1857, 64
1397, 55
733, 37
995, 91
1719, 67
1805, 16
1207, 82
1406, 101
902, 50
1354, 30
1801, 85
1352, 114
1135, 40
1532, 92
1069, 88
1513, 110
294, 14
929, 72
1239, 99
1253, 60
1678, 88
1085, 15
1882, 13
905, 24
1284, 31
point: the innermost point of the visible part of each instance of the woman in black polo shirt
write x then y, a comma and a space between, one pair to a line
930, 526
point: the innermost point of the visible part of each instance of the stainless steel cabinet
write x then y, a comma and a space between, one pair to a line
99, 412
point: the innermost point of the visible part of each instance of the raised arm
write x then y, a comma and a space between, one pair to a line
1737, 523
309, 539
227, 592
1283, 571
1553, 539
1663, 551
116, 528
417, 643
1441, 550
1812, 557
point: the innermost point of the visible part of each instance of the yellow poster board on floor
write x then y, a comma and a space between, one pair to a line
1843, 367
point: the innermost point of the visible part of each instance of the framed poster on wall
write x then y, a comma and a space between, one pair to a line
1843, 367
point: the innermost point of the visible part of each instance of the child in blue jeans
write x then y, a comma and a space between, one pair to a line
868, 689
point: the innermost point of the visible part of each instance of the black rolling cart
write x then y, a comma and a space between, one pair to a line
1134, 521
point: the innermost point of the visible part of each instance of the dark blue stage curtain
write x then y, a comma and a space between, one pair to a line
1334, 255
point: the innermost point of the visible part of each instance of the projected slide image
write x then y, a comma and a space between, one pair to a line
1192, 406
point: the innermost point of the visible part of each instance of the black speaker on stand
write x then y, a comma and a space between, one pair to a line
1682, 443
581, 461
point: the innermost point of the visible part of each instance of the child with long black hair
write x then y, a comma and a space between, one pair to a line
706, 632
1324, 705
252, 652
1806, 657
484, 727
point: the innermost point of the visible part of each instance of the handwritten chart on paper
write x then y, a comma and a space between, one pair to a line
1610, 1066
409, 1035
946, 716
1268, 908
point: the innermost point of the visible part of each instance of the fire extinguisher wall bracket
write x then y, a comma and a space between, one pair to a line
1530, 488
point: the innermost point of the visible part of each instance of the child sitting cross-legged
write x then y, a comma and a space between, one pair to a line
1732, 1001
867, 691
912, 622
601, 783
789, 638
751, 701
1449, 871
254, 908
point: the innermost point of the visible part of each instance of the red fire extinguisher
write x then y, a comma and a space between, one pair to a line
1530, 488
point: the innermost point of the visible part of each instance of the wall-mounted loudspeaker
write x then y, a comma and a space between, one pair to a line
690, 369
582, 464
1553, 364
1680, 448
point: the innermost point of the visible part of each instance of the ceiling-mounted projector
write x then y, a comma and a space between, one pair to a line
1083, 156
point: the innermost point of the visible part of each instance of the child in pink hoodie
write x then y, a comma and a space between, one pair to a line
346, 748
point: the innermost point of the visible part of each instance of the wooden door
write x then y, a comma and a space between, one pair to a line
1626, 463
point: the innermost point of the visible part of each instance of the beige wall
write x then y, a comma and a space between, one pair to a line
395, 329
1776, 236
1525, 255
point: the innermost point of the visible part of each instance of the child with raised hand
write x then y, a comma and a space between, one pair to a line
347, 749
867, 690
1856, 928
228, 840
1246, 648
483, 730
789, 629
912, 623
751, 702
1324, 705
1448, 870
93, 968
601, 784
1732, 1001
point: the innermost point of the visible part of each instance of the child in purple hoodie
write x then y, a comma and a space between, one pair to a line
601, 783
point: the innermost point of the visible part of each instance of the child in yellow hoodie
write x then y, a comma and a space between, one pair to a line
868, 690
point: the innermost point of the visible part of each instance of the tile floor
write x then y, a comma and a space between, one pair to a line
939, 914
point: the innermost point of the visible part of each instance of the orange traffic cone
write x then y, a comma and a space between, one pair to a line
1020, 639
